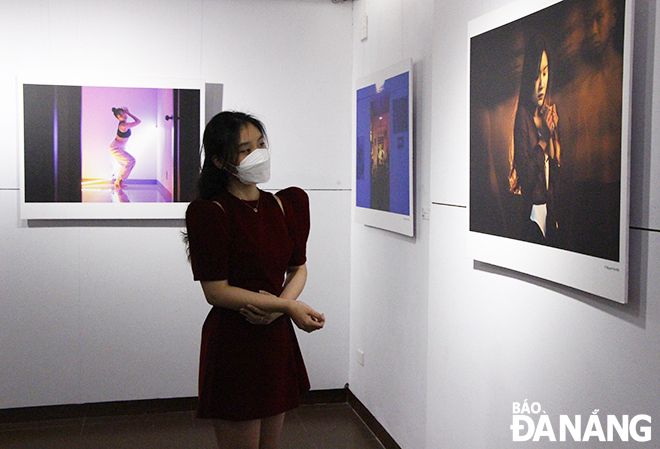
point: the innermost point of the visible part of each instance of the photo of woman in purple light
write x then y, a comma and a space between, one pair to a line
68, 131
118, 145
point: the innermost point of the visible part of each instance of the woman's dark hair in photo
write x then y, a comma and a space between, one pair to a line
530, 70
220, 141
117, 111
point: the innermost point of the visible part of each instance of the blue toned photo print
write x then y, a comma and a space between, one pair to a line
383, 146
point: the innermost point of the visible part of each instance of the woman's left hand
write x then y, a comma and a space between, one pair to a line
255, 315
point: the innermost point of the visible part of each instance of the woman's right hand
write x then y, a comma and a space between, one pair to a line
305, 317
550, 117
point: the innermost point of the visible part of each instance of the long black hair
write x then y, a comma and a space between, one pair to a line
530, 70
534, 49
220, 143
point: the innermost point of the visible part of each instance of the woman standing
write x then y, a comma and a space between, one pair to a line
537, 152
118, 146
248, 249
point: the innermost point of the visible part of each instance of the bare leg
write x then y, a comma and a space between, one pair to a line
271, 429
237, 434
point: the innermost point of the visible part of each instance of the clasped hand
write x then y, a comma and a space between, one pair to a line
300, 313
255, 315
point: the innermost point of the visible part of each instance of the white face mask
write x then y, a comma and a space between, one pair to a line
255, 168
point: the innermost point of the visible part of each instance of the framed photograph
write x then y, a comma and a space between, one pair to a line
549, 105
109, 148
384, 158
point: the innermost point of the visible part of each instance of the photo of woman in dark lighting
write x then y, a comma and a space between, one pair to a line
536, 148
546, 96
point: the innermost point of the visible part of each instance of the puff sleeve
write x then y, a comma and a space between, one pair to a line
296, 210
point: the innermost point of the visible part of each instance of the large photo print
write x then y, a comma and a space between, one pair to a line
383, 182
548, 131
88, 146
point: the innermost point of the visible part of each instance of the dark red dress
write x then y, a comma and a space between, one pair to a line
248, 371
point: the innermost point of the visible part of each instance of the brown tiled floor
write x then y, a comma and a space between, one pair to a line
321, 426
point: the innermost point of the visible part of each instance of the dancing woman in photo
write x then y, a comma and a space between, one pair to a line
118, 146
247, 248
537, 152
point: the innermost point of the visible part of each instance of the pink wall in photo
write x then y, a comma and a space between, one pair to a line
150, 142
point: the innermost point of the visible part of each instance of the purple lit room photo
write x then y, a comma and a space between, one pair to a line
96, 144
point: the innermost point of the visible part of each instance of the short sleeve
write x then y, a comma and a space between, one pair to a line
208, 240
296, 210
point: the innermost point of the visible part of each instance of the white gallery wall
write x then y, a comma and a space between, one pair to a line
499, 337
96, 311
389, 272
